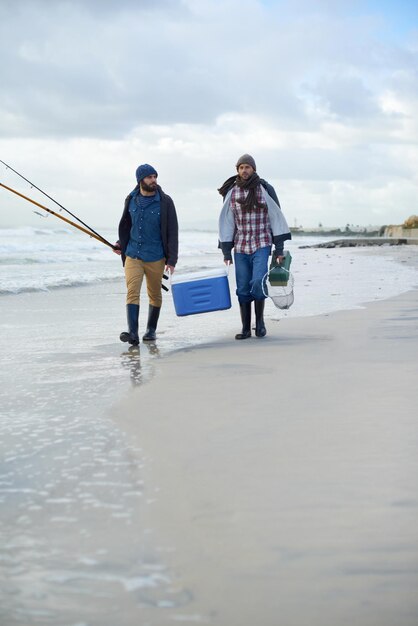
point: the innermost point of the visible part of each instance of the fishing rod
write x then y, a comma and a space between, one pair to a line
65, 219
97, 236
61, 217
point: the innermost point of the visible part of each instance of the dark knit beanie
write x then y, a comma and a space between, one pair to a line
248, 160
145, 170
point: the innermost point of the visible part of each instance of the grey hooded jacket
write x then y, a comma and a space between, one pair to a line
279, 228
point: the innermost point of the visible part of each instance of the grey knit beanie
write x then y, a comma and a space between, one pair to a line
248, 160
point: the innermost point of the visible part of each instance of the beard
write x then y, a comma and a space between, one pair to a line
150, 188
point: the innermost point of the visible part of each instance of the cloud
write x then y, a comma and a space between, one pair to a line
320, 93
83, 69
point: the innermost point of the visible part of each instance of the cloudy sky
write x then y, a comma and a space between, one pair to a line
323, 94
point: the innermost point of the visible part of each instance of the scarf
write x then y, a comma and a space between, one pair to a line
250, 203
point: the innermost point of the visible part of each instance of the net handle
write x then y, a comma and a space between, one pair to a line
264, 282
265, 277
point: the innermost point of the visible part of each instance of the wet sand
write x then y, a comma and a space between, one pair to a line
267, 481
281, 473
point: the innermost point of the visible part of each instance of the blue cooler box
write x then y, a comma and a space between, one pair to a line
200, 292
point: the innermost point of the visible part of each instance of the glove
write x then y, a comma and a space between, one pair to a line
228, 257
278, 252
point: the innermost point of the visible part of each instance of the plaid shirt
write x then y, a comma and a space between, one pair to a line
253, 230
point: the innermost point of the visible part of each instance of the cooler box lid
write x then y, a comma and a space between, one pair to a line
177, 278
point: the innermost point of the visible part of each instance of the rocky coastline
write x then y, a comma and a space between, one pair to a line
357, 242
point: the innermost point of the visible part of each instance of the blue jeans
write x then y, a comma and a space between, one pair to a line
249, 272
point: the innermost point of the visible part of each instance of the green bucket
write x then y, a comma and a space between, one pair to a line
279, 272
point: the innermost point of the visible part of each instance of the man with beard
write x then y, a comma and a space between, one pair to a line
251, 220
148, 243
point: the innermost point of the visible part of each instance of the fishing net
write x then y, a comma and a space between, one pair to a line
279, 290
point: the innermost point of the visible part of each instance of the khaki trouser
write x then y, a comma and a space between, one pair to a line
134, 275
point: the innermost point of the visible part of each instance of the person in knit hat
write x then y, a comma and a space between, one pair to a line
251, 221
246, 159
148, 244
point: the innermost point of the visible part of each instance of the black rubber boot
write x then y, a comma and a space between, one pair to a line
153, 315
260, 329
132, 315
245, 309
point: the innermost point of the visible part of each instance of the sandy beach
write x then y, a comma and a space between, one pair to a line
281, 474
208, 481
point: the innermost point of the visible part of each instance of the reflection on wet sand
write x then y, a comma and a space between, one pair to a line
131, 360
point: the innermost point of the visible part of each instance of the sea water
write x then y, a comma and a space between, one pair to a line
71, 489
42, 259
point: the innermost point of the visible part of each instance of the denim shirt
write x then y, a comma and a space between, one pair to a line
145, 241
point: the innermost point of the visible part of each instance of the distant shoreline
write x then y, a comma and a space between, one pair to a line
335, 232
359, 242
